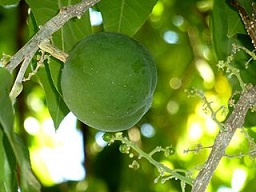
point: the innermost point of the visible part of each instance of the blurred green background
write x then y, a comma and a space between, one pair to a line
179, 36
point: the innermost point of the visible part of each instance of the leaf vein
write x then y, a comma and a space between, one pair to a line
121, 15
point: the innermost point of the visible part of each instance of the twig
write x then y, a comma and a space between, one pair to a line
198, 148
234, 121
40, 63
48, 29
53, 51
249, 23
17, 86
174, 173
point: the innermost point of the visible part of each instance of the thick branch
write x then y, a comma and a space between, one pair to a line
48, 29
234, 121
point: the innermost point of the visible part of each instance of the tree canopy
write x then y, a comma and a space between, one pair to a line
206, 72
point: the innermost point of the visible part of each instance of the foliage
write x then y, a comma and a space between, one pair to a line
186, 42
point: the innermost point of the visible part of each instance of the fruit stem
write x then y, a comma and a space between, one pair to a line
46, 46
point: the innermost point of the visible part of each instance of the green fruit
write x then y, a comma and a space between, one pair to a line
108, 81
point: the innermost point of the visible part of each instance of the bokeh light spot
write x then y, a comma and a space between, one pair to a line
175, 83
195, 131
95, 17
206, 73
48, 126
238, 179
99, 139
172, 107
34, 100
177, 20
222, 86
147, 130
225, 189
171, 37
158, 9
58, 155
31, 125
158, 99
211, 127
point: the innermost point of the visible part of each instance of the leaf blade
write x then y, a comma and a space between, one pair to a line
28, 181
65, 39
56, 105
8, 181
6, 112
125, 16
9, 2
68, 36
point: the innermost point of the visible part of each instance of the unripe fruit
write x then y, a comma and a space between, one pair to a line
108, 81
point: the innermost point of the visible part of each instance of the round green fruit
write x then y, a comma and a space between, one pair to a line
108, 81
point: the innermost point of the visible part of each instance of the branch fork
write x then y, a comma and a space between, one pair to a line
234, 121
26, 53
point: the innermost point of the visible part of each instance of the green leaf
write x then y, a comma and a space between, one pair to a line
28, 182
226, 30
219, 20
65, 39
6, 112
56, 105
125, 16
9, 2
223, 38
225, 26
72, 32
235, 24
7, 161
8, 178
68, 36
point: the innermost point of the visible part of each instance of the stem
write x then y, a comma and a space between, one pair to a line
174, 173
248, 22
234, 121
48, 29
53, 51
17, 86
209, 107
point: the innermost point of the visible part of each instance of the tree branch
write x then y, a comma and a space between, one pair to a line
17, 87
47, 47
234, 121
48, 29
